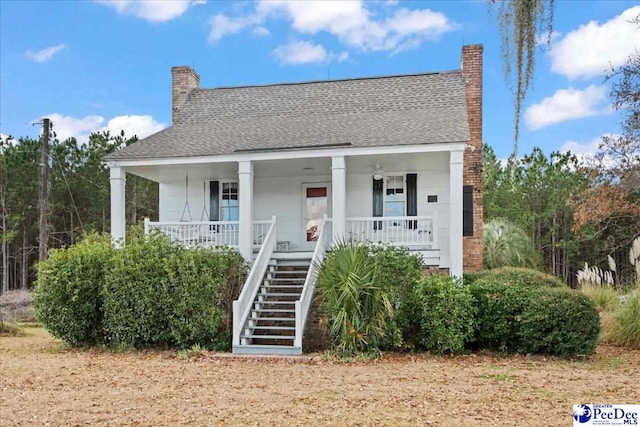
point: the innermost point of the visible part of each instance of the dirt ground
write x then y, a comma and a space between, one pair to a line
43, 383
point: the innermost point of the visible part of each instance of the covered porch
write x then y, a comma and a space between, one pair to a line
391, 195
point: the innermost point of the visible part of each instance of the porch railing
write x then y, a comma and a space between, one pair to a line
304, 303
203, 233
208, 233
410, 231
260, 230
242, 306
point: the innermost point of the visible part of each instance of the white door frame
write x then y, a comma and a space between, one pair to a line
303, 236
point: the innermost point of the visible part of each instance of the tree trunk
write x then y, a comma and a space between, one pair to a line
24, 267
5, 245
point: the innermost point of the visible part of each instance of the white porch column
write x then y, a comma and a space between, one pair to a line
455, 213
338, 197
117, 179
245, 201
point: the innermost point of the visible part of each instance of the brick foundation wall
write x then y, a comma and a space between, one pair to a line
183, 81
316, 336
472, 72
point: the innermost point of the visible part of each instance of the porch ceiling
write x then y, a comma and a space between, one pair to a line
168, 173
296, 167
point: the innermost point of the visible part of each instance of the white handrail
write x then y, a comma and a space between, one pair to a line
304, 303
242, 306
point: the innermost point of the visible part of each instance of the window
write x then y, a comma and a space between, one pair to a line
391, 197
394, 196
229, 207
223, 201
467, 210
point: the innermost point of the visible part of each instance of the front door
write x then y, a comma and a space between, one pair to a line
315, 204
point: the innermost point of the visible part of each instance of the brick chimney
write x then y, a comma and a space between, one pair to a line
183, 81
472, 73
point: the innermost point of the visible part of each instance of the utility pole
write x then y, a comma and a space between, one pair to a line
43, 197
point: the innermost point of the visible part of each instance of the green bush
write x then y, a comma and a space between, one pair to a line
357, 305
149, 293
399, 270
626, 326
137, 293
445, 314
205, 283
158, 293
67, 294
524, 319
498, 309
515, 275
558, 322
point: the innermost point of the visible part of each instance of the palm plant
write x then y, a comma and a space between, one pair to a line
505, 244
357, 305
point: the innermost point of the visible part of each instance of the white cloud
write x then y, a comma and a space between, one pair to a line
68, 126
260, 31
141, 126
344, 55
222, 25
301, 52
45, 54
593, 48
352, 22
151, 10
567, 104
80, 128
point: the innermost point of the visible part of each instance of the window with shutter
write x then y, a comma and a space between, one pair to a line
467, 210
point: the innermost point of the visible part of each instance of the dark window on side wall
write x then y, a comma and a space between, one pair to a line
467, 210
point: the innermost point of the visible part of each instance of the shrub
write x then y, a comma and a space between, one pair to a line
357, 305
498, 309
158, 293
137, 293
515, 275
625, 330
505, 244
524, 319
444, 314
399, 270
67, 294
558, 322
205, 283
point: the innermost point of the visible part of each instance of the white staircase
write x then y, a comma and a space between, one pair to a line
270, 327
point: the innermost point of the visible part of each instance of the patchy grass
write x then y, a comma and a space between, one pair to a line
62, 386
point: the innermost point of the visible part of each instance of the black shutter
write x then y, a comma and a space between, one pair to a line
378, 184
467, 210
214, 201
412, 198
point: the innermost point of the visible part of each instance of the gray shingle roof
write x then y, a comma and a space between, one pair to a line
379, 111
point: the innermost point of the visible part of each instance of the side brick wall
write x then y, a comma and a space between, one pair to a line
472, 72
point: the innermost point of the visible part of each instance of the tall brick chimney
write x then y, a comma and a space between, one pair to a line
183, 80
472, 73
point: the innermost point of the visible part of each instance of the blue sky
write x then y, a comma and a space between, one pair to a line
92, 65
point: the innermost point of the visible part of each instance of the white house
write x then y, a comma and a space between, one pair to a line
280, 171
